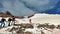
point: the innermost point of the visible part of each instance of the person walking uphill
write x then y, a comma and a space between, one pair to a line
9, 20
3, 22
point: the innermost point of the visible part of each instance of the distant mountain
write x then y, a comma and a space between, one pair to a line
6, 14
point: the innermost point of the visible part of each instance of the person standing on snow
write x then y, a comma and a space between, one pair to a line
30, 21
9, 20
13, 20
3, 22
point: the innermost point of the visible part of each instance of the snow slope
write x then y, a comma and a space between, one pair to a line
46, 18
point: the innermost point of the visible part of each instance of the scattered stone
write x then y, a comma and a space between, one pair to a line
27, 32
29, 26
58, 27
47, 26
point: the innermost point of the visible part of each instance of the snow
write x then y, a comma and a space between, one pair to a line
4, 30
46, 18
36, 20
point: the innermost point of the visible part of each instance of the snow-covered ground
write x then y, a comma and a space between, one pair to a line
42, 18
46, 18
36, 19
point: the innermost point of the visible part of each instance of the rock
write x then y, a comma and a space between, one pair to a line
29, 26
27, 33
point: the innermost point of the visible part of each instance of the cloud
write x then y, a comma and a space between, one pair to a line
40, 5
27, 7
17, 8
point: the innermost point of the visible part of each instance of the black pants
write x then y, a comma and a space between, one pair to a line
9, 23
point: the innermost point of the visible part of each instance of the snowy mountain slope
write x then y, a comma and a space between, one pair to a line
46, 18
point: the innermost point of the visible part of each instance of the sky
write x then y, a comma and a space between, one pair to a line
29, 7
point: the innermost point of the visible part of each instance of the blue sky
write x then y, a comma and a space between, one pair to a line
29, 7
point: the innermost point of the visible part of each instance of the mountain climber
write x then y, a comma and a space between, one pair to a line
9, 20
3, 22
30, 21
13, 20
